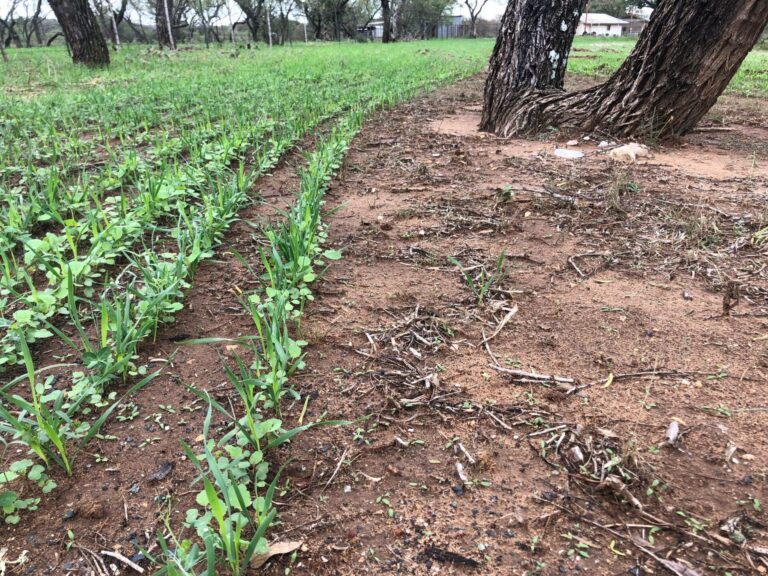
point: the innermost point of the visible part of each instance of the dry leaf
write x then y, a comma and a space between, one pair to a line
677, 567
275, 549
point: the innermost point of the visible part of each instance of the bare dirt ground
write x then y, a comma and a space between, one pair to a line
521, 429
614, 280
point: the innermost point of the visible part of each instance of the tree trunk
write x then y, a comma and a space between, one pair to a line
164, 23
36, 24
115, 32
683, 61
2, 53
386, 17
82, 32
252, 16
39, 36
531, 53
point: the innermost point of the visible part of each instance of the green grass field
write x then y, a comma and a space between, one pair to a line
598, 57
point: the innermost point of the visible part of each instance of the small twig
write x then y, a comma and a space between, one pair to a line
470, 459
501, 325
338, 466
646, 374
535, 375
127, 561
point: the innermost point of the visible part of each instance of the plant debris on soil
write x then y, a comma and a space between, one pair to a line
550, 366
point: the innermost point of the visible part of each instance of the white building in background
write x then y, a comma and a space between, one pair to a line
600, 25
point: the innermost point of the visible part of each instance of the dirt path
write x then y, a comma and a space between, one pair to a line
609, 270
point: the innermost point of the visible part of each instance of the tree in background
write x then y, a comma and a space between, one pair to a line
417, 18
166, 33
474, 7
253, 12
207, 13
82, 32
110, 18
615, 8
683, 61
386, 17
8, 26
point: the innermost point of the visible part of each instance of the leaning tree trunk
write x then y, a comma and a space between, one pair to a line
531, 53
164, 23
82, 32
683, 61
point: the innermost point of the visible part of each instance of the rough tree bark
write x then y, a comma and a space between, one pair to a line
683, 61
164, 23
386, 18
531, 54
82, 32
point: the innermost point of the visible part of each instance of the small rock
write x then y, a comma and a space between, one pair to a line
572, 143
629, 152
458, 490
748, 479
687, 296
70, 515
161, 473
568, 154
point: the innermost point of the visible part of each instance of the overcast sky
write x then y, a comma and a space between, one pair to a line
494, 9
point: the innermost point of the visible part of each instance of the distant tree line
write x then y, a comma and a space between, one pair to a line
89, 27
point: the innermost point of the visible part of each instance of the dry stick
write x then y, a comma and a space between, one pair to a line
95, 560
336, 471
488, 349
642, 549
572, 261
646, 374
501, 325
124, 560
534, 375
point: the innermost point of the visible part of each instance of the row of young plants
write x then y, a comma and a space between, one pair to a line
236, 501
